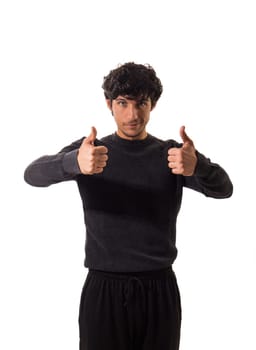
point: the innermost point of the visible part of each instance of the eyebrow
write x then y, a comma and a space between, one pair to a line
138, 100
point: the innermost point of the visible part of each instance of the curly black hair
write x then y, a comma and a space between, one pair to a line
133, 81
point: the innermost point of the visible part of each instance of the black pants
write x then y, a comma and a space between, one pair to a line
134, 311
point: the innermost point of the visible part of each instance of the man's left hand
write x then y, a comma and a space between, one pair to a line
183, 160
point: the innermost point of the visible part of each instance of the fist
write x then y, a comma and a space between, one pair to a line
182, 161
92, 159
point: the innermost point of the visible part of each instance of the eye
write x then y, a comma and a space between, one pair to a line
143, 103
122, 103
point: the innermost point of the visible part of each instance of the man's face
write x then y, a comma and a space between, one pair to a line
131, 116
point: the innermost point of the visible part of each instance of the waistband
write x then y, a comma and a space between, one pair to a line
147, 275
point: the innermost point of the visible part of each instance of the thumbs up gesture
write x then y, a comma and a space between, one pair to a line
92, 159
183, 160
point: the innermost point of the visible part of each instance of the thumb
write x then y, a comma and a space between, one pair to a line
92, 137
186, 140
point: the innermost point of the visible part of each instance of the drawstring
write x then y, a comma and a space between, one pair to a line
130, 289
131, 284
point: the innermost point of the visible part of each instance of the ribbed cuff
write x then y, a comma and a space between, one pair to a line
203, 166
70, 164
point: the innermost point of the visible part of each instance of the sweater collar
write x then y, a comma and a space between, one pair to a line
131, 143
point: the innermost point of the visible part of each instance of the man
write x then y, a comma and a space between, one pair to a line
131, 189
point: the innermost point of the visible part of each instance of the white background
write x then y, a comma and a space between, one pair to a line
54, 55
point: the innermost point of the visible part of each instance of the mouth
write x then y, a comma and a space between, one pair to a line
133, 124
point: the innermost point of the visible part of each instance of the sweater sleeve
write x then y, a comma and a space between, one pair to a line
210, 179
52, 169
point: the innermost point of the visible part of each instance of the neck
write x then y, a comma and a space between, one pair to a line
140, 136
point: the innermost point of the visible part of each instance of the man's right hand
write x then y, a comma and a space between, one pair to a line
92, 159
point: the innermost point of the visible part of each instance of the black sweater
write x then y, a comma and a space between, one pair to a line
130, 210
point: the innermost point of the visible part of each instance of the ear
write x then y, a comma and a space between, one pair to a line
109, 103
152, 107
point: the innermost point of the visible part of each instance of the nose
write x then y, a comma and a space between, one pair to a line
132, 112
